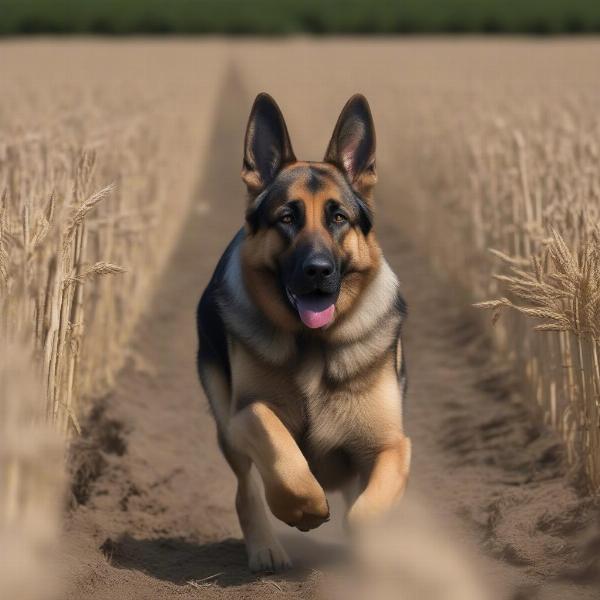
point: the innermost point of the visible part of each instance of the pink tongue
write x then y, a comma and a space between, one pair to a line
315, 313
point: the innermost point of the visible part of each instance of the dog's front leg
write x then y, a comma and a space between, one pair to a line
293, 494
386, 477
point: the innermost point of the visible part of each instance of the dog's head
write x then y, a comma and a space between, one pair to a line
309, 249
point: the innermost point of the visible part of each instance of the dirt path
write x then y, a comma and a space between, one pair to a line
160, 512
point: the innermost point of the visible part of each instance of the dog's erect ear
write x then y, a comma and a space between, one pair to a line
267, 147
352, 145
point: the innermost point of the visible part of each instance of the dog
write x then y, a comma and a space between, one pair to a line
300, 350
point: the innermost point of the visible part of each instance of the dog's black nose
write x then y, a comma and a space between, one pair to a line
318, 267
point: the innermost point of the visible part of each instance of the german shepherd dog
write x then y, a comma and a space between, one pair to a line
299, 329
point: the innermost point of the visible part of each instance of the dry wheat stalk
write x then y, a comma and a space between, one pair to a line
564, 294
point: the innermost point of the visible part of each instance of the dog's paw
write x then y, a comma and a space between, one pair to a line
310, 520
304, 506
268, 559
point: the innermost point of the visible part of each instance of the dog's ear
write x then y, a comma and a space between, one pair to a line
352, 145
267, 146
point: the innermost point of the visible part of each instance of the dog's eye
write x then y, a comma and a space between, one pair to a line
286, 219
339, 218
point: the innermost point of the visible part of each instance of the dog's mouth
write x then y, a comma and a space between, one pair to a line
315, 309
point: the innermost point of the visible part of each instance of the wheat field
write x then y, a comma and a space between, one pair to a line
496, 178
98, 162
502, 179
96, 169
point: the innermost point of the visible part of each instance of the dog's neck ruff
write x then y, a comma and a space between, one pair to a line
375, 303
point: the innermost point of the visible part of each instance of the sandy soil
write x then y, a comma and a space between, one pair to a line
154, 499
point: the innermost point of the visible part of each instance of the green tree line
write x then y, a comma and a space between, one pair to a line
281, 17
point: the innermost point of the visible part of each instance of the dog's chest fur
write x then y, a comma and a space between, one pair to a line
328, 396
324, 387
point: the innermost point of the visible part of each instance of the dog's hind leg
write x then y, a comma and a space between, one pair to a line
265, 553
